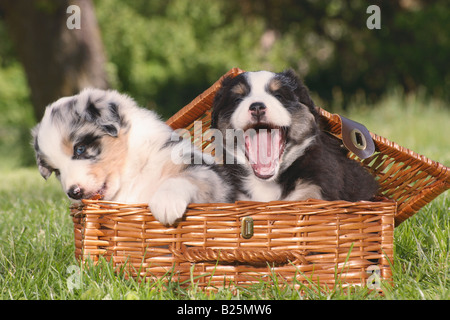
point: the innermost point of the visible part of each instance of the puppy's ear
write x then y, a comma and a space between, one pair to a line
105, 115
44, 169
300, 90
217, 101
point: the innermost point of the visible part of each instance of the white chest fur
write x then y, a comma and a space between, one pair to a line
271, 191
261, 190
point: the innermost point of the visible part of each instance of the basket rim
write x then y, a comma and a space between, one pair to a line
104, 207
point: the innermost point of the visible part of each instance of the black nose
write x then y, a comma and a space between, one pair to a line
75, 192
257, 109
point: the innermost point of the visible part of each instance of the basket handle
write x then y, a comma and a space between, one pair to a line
196, 255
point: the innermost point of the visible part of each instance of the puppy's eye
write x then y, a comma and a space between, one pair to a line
278, 96
80, 149
238, 100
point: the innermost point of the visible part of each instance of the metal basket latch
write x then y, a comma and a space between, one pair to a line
357, 138
247, 227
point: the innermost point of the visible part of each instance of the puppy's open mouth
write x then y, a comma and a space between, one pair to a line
264, 146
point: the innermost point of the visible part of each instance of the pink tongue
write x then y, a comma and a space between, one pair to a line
263, 151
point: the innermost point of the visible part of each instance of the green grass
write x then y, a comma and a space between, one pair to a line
36, 232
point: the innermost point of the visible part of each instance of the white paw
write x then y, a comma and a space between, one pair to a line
169, 204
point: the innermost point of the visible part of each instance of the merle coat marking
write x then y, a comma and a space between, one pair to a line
101, 142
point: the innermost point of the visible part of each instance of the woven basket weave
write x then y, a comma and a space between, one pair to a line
314, 240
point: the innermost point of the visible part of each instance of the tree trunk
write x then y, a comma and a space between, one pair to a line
58, 61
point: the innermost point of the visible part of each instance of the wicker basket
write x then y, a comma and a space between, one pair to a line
241, 243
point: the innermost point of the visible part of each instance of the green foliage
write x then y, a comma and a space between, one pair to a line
174, 50
7, 55
16, 117
164, 53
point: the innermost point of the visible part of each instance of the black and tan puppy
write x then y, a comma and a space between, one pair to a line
278, 149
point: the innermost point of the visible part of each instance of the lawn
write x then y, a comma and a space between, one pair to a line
36, 232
